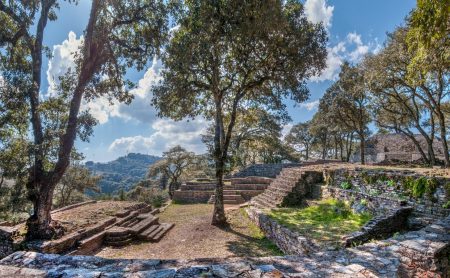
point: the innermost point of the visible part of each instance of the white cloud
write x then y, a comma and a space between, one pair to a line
312, 105
317, 11
101, 108
140, 108
285, 130
352, 49
168, 133
62, 60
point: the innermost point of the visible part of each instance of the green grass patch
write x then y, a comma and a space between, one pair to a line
326, 222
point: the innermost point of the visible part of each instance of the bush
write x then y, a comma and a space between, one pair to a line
153, 196
346, 185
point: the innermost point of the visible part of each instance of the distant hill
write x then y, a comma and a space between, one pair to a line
123, 172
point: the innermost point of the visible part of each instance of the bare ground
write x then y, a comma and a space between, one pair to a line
194, 237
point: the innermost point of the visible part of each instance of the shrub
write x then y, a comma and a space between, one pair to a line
418, 187
391, 183
346, 185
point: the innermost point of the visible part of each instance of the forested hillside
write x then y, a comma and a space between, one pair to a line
123, 172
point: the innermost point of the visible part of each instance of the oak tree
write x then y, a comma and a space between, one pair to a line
228, 55
119, 35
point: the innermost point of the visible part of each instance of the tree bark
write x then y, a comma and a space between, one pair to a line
219, 218
362, 152
443, 134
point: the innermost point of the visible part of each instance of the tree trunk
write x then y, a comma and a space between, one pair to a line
218, 218
349, 148
307, 153
443, 133
362, 146
42, 184
418, 146
39, 225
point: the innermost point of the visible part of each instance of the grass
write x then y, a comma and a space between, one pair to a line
256, 243
326, 222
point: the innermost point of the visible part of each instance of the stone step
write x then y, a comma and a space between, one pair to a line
117, 231
132, 215
144, 234
110, 238
130, 222
120, 243
145, 215
144, 224
164, 228
270, 200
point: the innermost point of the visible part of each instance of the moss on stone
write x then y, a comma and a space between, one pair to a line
326, 222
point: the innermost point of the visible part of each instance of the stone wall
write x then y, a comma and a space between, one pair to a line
264, 170
6, 242
383, 189
380, 227
191, 196
290, 242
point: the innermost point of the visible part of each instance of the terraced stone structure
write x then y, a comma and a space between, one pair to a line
236, 190
136, 222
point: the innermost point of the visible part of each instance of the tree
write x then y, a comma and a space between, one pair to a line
119, 35
300, 138
76, 179
255, 132
350, 102
400, 103
174, 164
228, 55
428, 43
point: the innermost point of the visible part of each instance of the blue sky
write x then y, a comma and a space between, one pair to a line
355, 27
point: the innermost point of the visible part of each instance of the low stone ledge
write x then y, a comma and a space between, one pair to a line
69, 241
74, 206
380, 227
192, 196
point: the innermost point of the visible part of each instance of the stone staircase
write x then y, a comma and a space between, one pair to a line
230, 197
142, 226
233, 192
290, 187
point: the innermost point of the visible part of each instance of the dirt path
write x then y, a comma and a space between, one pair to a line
194, 237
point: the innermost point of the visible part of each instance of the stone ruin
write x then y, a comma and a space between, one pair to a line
236, 190
136, 222
422, 249
397, 148
407, 237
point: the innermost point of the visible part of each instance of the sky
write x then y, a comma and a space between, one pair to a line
355, 28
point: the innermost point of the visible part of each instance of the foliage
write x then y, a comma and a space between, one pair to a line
300, 138
174, 163
417, 187
154, 196
123, 172
346, 185
348, 102
326, 221
256, 139
76, 179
